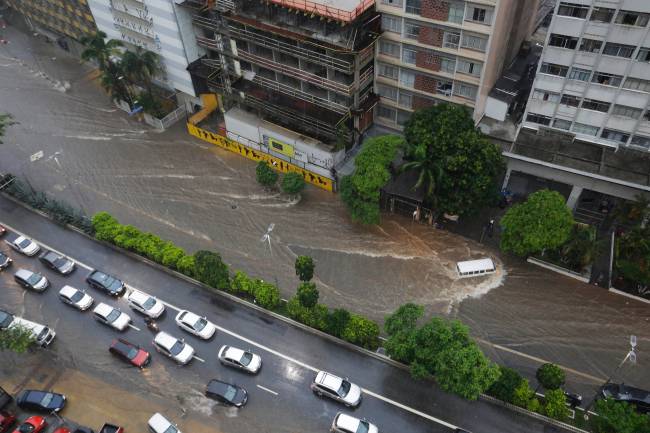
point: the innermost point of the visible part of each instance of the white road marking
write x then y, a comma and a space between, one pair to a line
199, 359
134, 327
267, 390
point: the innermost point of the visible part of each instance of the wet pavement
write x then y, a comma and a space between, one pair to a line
201, 197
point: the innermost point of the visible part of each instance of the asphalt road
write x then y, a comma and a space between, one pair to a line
280, 399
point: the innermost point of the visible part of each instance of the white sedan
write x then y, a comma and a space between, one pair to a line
174, 348
196, 325
238, 358
75, 297
145, 304
111, 316
348, 424
24, 246
159, 424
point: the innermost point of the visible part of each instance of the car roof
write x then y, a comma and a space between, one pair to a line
122, 345
138, 296
347, 422
24, 273
68, 290
20, 239
98, 275
103, 309
159, 422
217, 386
164, 339
329, 380
234, 353
189, 317
51, 255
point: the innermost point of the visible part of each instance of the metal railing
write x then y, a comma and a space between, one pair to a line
326, 11
299, 94
208, 23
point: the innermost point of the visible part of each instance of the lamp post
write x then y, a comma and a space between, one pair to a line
267, 237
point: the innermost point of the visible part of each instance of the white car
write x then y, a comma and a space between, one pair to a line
111, 316
75, 297
238, 358
147, 305
174, 348
199, 326
339, 389
25, 246
159, 424
348, 424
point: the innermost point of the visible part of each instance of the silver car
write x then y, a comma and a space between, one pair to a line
31, 280
145, 304
196, 325
339, 389
348, 424
111, 316
24, 246
75, 297
241, 359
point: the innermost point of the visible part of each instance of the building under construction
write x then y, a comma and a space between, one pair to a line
302, 68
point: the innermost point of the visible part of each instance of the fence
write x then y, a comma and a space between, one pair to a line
166, 121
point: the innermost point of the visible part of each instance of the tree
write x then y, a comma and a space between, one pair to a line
16, 338
401, 329
555, 405
293, 183
304, 268
465, 371
360, 191
265, 175
542, 221
5, 122
112, 81
267, 295
633, 255
550, 376
307, 294
141, 66
504, 388
97, 48
618, 417
337, 321
211, 270
362, 332
455, 162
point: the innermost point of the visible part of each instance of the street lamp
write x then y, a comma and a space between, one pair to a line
267, 237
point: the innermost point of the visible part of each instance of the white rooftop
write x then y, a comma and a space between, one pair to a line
475, 265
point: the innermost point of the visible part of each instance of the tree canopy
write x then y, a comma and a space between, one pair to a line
542, 221
304, 266
618, 417
265, 175
17, 339
456, 164
550, 376
211, 270
293, 183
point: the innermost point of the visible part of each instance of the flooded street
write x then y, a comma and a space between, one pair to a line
202, 197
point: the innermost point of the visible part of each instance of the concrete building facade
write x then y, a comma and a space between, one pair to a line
445, 51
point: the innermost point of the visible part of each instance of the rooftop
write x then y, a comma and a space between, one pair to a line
340, 10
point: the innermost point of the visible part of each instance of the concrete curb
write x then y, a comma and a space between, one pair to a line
558, 269
628, 295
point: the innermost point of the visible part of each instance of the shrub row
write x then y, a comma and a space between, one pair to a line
265, 294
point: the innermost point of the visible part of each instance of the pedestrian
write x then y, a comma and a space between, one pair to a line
490, 228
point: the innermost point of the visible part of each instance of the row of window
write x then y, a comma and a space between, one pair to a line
430, 85
603, 78
594, 46
455, 14
391, 114
590, 104
409, 55
604, 15
581, 128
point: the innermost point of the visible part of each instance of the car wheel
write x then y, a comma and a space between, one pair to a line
318, 393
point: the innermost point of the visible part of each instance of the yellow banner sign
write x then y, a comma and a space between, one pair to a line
256, 155
281, 147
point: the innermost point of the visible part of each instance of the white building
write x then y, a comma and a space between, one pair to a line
593, 79
160, 26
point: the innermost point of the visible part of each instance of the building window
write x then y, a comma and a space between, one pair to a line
468, 67
553, 69
456, 12
613, 135
562, 124
403, 117
465, 91
386, 112
409, 55
579, 74
630, 18
413, 7
640, 141
602, 15
396, 3
618, 50
573, 10
407, 78
405, 99
480, 15
543, 95
570, 100
444, 88
637, 84
474, 42
607, 79
391, 23
451, 40
644, 55
447, 65
389, 49
387, 92
625, 111
411, 30
593, 104
563, 41
581, 128
646, 115
590, 45
538, 118
388, 71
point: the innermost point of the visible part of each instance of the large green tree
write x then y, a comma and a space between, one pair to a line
360, 191
456, 163
99, 49
618, 417
141, 66
211, 270
633, 255
265, 175
304, 266
542, 221
550, 376
17, 339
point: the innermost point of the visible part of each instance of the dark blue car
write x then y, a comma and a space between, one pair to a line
107, 283
40, 401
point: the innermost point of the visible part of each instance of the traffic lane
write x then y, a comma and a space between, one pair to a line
289, 381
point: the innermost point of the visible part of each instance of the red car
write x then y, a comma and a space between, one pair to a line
6, 421
33, 424
62, 430
130, 353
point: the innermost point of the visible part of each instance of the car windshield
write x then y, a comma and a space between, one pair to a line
78, 296
35, 278
47, 399
344, 389
149, 303
200, 324
24, 243
132, 353
26, 428
246, 358
112, 317
171, 429
115, 284
60, 262
43, 334
230, 393
5, 319
177, 348
363, 427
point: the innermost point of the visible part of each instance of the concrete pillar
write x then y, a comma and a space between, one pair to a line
572, 201
506, 179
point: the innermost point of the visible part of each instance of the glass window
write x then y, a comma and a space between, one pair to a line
593, 104
480, 15
579, 74
632, 18
538, 118
396, 3
465, 91
390, 23
411, 30
641, 141
414, 7
543, 95
613, 135
456, 12
388, 92
447, 65
581, 128
625, 111
562, 124
405, 99
618, 50
644, 55
386, 112
451, 40
553, 69
407, 78
474, 42
602, 15
570, 100
573, 10
563, 41
389, 48
388, 71
607, 79
444, 87
590, 45
468, 67
637, 84
409, 55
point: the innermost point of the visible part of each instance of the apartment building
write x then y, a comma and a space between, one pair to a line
435, 51
593, 80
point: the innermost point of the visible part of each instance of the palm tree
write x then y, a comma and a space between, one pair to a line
141, 66
97, 48
430, 173
112, 80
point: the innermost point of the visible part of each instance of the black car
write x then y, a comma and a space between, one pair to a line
5, 319
621, 392
57, 262
5, 261
226, 393
82, 429
42, 401
100, 280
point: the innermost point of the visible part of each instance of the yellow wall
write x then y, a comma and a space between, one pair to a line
256, 155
